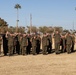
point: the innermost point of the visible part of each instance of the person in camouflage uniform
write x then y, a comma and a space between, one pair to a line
15, 43
45, 44
63, 42
24, 43
57, 39
73, 42
38, 44
20, 42
34, 44
68, 42
49, 48
10, 43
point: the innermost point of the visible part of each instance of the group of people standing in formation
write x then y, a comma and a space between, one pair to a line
24, 44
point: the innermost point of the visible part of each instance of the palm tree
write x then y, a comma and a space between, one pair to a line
17, 6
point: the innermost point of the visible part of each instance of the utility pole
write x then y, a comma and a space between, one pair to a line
30, 23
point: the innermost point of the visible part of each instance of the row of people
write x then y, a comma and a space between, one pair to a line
18, 43
65, 40
25, 43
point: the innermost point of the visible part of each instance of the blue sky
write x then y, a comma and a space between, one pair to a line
44, 12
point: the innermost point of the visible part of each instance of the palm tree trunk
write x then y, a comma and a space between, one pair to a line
17, 21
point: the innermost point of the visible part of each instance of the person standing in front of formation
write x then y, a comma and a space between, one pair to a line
68, 42
57, 39
24, 44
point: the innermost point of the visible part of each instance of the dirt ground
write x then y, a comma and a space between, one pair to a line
52, 64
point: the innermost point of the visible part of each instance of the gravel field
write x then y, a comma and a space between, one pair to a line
52, 64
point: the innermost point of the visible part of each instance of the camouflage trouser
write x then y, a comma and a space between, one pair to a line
24, 50
44, 49
68, 48
33, 49
10, 50
57, 47
20, 49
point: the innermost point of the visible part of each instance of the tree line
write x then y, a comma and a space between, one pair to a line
42, 29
